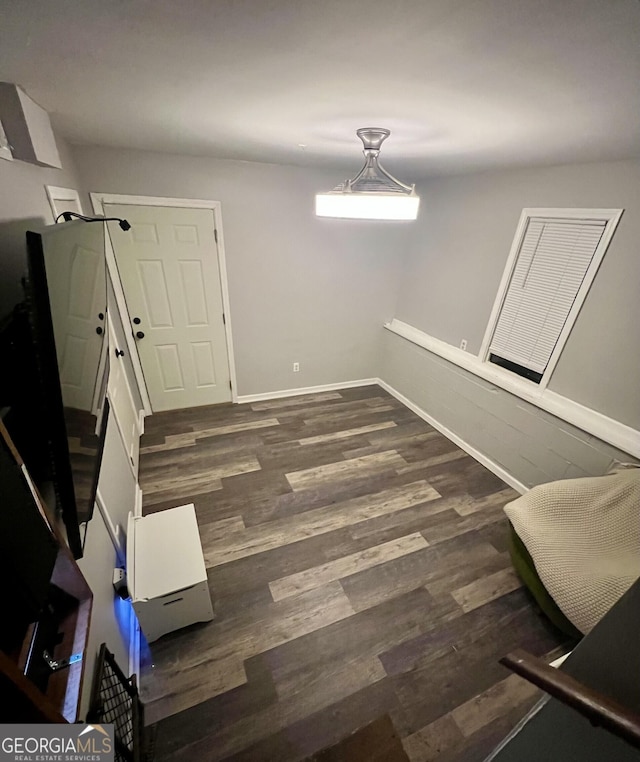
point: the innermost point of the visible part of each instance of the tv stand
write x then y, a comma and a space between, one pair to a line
28, 686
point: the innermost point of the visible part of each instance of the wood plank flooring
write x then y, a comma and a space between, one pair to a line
358, 565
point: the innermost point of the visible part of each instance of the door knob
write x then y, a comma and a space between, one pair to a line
137, 320
139, 335
119, 352
99, 331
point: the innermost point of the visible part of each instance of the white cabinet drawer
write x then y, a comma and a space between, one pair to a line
158, 616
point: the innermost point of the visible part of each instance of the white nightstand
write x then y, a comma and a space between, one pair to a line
166, 575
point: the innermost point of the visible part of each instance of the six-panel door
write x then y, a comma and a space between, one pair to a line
168, 263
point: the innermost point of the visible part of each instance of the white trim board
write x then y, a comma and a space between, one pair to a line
498, 470
601, 426
134, 645
560, 660
246, 398
98, 200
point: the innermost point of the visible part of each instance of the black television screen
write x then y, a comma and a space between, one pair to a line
28, 548
67, 301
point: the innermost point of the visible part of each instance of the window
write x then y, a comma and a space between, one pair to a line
554, 258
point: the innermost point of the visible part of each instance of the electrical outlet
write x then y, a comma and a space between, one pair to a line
463, 345
296, 367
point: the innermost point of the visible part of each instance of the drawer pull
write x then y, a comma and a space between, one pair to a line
175, 600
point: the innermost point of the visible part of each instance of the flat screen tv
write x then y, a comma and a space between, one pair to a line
67, 304
28, 548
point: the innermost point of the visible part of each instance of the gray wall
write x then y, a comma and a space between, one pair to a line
530, 444
23, 206
301, 288
453, 270
460, 248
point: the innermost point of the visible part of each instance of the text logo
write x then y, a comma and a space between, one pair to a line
56, 743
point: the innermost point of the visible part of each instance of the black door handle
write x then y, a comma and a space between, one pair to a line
99, 331
139, 335
137, 320
119, 352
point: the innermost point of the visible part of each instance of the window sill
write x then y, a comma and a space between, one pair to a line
609, 430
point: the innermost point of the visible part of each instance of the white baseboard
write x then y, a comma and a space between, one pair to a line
134, 645
137, 506
245, 398
494, 467
559, 661
111, 528
134, 627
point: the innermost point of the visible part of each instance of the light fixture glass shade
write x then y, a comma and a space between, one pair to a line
367, 206
373, 194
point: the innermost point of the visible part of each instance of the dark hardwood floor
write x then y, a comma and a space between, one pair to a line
358, 565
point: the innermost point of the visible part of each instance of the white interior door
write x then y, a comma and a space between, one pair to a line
168, 264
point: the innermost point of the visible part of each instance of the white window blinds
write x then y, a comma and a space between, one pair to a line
550, 266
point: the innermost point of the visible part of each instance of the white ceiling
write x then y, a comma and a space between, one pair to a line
462, 84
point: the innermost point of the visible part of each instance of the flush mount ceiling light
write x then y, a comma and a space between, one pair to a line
373, 194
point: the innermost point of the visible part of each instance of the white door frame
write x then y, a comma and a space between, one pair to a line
98, 200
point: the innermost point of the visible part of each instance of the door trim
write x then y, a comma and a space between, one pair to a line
98, 200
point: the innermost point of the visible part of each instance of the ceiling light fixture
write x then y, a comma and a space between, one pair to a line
373, 194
